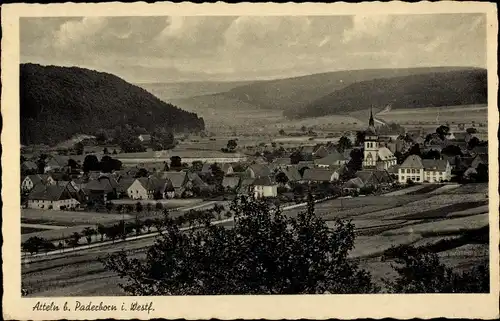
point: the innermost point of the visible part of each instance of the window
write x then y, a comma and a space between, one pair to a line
408, 171
418, 179
413, 171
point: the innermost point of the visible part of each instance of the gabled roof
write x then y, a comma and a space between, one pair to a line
177, 178
412, 161
226, 166
124, 184
303, 164
206, 168
292, 174
385, 153
196, 180
49, 193
102, 184
307, 149
260, 170
331, 159
354, 183
374, 177
29, 165
480, 159
318, 174
264, 181
154, 183
435, 164
39, 178
231, 181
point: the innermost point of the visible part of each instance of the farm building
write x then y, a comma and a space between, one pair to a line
28, 166
52, 197
150, 188
258, 170
265, 187
312, 175
375, 178
231, 182
31, 181
334, 158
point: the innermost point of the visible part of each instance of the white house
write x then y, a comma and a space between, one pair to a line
427, 170
144, 188
52, 197
265, 187
31, 181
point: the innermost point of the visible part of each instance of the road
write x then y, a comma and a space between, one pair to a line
79, 273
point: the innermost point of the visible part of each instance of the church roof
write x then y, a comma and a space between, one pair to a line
385, 153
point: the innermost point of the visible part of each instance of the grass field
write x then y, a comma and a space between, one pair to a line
68, 218
27, 230
451, 114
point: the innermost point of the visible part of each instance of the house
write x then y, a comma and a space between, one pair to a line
427, 170
436, 170
54, 162
144, 188
411, 169
224, 167
479, 159
333, 159
123, 185
27, 166
258, 170
375, 178
280, 163
179, 181
292, 174
52, 197
101, 189
31, 181
305, 164
231, 183
144, 138
354, 184
245, 186
264, 187
320, 175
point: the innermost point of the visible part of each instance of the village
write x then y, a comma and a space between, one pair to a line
358, 164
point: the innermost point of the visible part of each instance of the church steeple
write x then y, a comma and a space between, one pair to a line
371, 123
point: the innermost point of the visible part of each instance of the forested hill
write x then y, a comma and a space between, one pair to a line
60, 102
434, 89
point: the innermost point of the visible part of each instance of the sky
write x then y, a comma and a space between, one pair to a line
203, 48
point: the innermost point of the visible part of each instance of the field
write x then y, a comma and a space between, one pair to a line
434, 115
67, 218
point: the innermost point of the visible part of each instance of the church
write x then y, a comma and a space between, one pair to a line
376, 157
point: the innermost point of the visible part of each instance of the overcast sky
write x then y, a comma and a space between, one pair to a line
165, 49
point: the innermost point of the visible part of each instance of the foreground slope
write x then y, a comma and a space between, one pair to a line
60, 102
451, 88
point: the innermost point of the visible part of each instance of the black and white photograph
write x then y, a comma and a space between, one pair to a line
234, 155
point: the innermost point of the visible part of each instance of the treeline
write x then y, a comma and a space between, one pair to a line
60, 102
464, 87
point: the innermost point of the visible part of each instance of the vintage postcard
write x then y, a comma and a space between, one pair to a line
271, 161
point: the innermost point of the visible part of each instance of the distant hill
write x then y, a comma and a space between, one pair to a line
449, 88
169, 91
60, 102
293, 94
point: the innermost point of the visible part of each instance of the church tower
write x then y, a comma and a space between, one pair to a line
371, 145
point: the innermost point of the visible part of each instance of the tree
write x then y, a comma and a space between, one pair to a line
420, 271
442, 131
105, 151
452, 150
432, 154
175, 162
165, 167
343, 144
303, 129
473, 142
196, 166
282, 132
101, 230
296, 157
88, 232
360, 138
414, 150
148, 224
79, 148
307, 257
109, 206
231, 144
91, 163
41, 163
281, 178
142, 172
471, 130
101, 137
356, 161
114, 152
74, 239
159, 206
34, 244
138, 207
